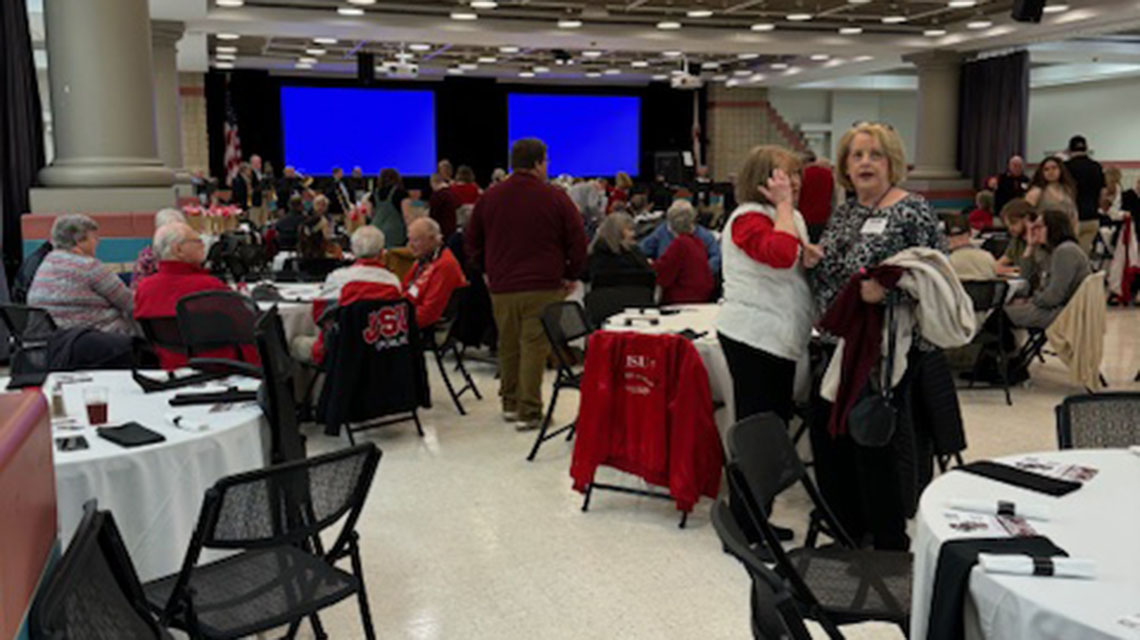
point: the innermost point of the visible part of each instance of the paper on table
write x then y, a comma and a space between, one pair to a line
1024, 510
1054, 469
1135, 449
980, 525
1023, 565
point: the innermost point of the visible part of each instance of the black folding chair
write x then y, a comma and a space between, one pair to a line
563, 323
215, 320
278, 402
164, 333
28, 331
614, 293
774, 612
94, 592
440, 339
1099, 421
280, 574
989, 298
996, 245
833, 585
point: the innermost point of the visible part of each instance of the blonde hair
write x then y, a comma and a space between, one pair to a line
623, 181
758, 167
888, 140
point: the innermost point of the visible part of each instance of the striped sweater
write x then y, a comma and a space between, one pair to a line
80, 291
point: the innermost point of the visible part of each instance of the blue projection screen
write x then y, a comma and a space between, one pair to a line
584, 135
371, 128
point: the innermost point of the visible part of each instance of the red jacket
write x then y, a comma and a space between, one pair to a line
816, 194
157, 297
683, 272
646, 409
430, 283
466, 192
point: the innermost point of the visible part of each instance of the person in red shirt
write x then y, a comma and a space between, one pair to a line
683, 271
436, 274
442, 205
180, 253
464, 186
982, 217
816, 195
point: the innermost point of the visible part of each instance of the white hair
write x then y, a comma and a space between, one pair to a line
166, 238
367, 242
681, 216
166, 216
432, 226
69, 230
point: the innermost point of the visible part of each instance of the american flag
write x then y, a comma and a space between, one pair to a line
233, 141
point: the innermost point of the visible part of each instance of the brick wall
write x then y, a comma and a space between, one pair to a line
195, 142
739, 119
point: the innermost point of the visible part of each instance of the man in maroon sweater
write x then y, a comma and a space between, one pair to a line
529, 239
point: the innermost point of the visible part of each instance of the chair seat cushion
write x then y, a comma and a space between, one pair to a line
256, 590
854, 584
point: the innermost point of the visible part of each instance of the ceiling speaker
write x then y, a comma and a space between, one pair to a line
1028, 10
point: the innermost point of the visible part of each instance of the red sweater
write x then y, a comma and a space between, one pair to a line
683, 271
816, 194
430, 283
157, 296
646, 409
981, 219
466, 192
527, 235
756, 234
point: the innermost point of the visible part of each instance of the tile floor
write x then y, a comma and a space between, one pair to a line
462, 538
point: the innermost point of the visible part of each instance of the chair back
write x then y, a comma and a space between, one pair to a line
996, 245
1099, 421
163, 332
27, 324
986, 294
442, 329
563, 323
210, 320
605, 301
774, 613
280, 403
94, 592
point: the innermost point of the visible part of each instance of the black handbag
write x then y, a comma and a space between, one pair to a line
874, 418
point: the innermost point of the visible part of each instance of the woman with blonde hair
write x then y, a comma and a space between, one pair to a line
614, 252
623, 184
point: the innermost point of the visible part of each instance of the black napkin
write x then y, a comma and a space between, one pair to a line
1021, 478
952, 577
131, 434
28, 379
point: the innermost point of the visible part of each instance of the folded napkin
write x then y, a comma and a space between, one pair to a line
1021, 478
1023, 565
1003, 508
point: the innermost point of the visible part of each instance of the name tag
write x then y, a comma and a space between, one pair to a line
874, 227
414, 291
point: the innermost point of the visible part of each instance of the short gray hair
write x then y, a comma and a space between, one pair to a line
432, 226
166, 216
69, 230
610, 232
681, 216
367, 242
166, 238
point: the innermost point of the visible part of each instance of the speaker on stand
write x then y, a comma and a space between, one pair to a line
366, 67
1028, 10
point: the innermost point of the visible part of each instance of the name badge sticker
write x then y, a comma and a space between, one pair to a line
874, 227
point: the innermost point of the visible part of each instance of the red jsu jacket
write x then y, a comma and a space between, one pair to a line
430, 283
646, 409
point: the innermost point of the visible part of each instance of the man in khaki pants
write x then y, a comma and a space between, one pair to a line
531, 242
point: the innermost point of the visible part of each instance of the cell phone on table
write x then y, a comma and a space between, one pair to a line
71, 443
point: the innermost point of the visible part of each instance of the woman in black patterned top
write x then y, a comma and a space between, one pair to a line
868, 489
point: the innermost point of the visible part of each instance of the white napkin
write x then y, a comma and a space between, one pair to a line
186, 424
1022, 565
1028, 511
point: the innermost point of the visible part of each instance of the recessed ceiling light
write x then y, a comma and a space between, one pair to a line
720, 78
362, 2
324, 40
864, 58
677, 72
742, 72
858, 1
934, 33
315, 51
660, 76
488, 60
779, 65
756, 77
897, 18
230, 3
671, 54
593, 74
639, 64
508, 49
699, 13
748, 56
350, 11
763, 26
526, 74
850, 31
591, 54
302, 65
404, 56
568, 23
463, 15
710, 65
454, 71
225, 56
979, 24
799, 17
419, 46
225, 49
541, 69
228, 36
306, 60
484, 4
962, 4
468, 66
668, 25
612, 72
223, 65
1056, 8
819, 57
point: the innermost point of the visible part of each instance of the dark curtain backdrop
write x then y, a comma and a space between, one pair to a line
471, 117
993, 114
21, 128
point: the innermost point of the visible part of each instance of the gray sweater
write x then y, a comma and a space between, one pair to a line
1068, 268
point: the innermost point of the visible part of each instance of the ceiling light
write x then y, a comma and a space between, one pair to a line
962, 4
419, 46
858, 1
850, 31
526, 74
223, 65
468, 66
748, 56
668, 25
1056, 8
799, 17
779, 65
228, 36
230, 3
591, 54
593, 74
484, 4
864, 58
763, 26
612, 72
677, 72
720, 78
454, 71
671, 54
699, 13
541, 69
488, 60
350, 11
934, 33
362, 2
315, 51
306, 60
820, 57
639, 64
225, 49
731, 83
979, 24
567, 23
404, 56
710, 65
742, 72
324, 40
894, 19
302, 65
756, 77
660, 76
225, 56
508, 49
463, 15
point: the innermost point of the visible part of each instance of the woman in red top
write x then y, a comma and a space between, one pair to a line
982, 217
464, 187
683, 271
623, 184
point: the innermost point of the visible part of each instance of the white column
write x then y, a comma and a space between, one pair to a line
165, 35
102, 95
936, 149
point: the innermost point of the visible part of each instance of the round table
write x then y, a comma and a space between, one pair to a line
1100, 521
295, 308
154, 491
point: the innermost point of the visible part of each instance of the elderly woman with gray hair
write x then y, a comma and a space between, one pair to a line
614, 254
75, 287
146, 263
683, 271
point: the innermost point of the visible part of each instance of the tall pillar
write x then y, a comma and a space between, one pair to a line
936, 150
102, 95
165, 35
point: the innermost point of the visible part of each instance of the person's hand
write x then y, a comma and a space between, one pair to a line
779, 188
1007, 270
812, 254
871, 291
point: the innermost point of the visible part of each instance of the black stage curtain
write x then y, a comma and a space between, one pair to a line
21, 129
993, 114
471, 118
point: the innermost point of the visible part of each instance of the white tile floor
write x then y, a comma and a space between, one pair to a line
462, 538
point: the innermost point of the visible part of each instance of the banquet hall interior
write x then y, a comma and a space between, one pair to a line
570, 319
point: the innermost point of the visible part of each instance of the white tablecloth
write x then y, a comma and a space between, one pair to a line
155, 491
296, 309
1100, 521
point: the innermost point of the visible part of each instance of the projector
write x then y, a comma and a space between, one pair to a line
400, 69
686, 81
